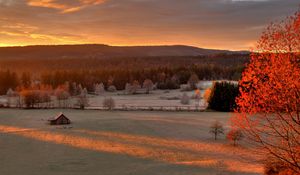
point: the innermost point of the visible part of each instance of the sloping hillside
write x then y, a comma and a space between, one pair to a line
103, 51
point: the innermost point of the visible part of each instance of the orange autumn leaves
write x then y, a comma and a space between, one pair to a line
269, 103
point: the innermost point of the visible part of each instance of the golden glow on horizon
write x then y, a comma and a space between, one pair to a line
131, 23
69, 42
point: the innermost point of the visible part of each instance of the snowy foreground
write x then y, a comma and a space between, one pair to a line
114, 143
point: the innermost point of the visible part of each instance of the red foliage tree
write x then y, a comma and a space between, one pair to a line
269, 104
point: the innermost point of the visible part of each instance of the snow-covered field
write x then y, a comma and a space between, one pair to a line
156, 98
119, 143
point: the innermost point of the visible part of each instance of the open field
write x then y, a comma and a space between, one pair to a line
113, 143
156, 100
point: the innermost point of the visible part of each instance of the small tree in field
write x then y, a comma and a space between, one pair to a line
207, 94
99, 89
216, 129
194, 79
62, 95
109, 103
234, 135
10, 93
268, 107
148, 85
82, 99
135, 86
30, 97
185, 99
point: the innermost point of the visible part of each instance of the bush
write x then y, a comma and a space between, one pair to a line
222, 97
207, 94
168, 84
273, 166
185, 87
234, 136
111, 89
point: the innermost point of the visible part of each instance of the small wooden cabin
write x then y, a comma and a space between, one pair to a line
60, 119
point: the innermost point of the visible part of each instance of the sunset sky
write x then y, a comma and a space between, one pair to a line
221, 24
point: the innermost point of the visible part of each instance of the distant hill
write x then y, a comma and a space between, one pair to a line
104, 51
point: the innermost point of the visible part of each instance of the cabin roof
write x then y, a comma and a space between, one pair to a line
57, 117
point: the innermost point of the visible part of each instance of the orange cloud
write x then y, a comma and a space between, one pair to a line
62, 6
47, 4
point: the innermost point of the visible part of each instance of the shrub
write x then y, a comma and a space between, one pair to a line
273, 166
207, 94
196, 95
185, 87
111, 88
168, 84
234, 136
109, 103
10, 93
222, 97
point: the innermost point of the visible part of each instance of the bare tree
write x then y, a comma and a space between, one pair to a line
193, 81
128, 88
10, 94
62, 97
185, 99
82, 99
109, 103
216, 129
135, 86
99, 89
148, 85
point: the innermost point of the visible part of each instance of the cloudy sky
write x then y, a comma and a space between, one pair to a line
222, 24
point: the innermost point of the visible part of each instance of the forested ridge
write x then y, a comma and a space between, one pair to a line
167, 71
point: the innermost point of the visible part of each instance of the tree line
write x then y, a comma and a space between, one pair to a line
165, 78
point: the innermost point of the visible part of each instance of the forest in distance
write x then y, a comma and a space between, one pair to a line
168, 72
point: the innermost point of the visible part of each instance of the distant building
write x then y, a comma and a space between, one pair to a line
60, 119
